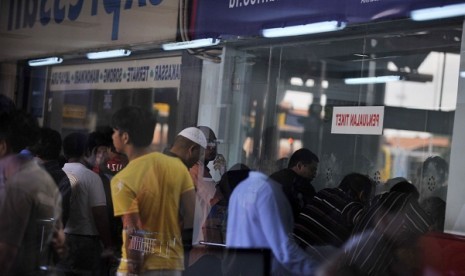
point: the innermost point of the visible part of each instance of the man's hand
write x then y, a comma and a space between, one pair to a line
219, 164
58, 243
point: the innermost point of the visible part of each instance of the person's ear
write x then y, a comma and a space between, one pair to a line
192, 149
125, 138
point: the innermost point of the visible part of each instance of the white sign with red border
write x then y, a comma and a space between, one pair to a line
365, 120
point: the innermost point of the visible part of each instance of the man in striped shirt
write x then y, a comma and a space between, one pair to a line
330, 216
385, 237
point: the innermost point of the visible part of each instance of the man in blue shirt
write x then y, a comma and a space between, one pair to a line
259, 216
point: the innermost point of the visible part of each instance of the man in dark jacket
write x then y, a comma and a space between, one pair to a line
296, 179
48, 150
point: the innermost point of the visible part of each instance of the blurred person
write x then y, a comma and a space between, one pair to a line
207, 257
433, 176
30, 210
211, 153
48, 151
259, 216
102, 158
435, 207
385, 238
296, 180
6, 104
330, 216
154, 195
88, 224
204, 190
385, 187
204, 183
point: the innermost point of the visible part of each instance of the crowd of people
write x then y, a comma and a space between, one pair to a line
105, 203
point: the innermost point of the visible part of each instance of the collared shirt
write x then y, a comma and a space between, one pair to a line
298, 190
328, 219
169, 153
391, 223
259, 216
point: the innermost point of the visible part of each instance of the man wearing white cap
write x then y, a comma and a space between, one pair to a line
189, 146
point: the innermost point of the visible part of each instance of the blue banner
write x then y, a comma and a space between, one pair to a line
224, 18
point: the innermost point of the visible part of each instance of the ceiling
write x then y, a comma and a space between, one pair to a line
404, 43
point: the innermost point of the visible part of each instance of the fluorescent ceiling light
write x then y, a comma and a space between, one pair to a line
438, 12
319, 27
380, 79
109, 54
45, 61
196, 43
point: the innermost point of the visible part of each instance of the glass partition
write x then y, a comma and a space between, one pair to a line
288, 94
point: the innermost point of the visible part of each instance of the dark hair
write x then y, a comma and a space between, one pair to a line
100, 137
137, 122
208, 132
6, 104
48, 147
439, 163
354, 183
406, 188
230, 180
303, 155
74, 145
19, 129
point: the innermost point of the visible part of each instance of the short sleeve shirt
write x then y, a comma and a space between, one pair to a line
151, 186
29, 213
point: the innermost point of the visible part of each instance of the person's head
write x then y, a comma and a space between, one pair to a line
74, 145
406, 188
212, 144
18, 130
358, 186
99, 145
48, 147
229, 181
304, 163
6, 104
437, 167
189, 145
133, 126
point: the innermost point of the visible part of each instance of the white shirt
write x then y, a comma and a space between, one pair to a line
87, 192
259, 216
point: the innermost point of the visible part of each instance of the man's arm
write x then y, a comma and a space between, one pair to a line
131, 230
187, 211
188, 208
103, 226
276, 221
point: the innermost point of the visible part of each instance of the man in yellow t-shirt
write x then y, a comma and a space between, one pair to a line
153, 194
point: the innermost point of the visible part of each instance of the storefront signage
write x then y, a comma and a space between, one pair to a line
74, 111
366, 120
216, 18
43, 27
148, 73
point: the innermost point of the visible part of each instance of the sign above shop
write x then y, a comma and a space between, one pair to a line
223, 18
366, 120
147, 73
31, 29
